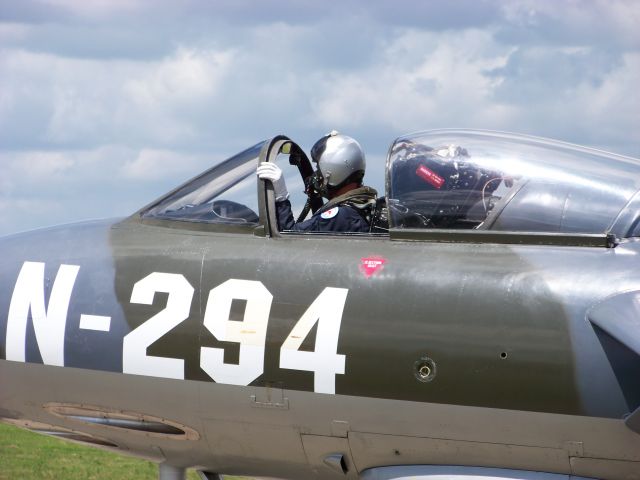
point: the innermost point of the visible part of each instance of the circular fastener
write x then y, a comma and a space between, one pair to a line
424, 369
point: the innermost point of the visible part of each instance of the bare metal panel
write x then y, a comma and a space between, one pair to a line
452, 472
619, 316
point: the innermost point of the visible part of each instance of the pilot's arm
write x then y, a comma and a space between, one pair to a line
273, 173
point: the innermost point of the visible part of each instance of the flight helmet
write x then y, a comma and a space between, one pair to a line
340, 160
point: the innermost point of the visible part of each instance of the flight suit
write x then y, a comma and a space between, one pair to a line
348, 213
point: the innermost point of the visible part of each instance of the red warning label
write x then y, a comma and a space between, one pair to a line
430, 176
371, 265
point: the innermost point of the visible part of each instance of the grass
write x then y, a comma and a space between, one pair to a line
25, 455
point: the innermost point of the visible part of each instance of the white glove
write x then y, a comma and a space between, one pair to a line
271, 171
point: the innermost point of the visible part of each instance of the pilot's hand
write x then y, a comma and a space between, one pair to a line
271, 171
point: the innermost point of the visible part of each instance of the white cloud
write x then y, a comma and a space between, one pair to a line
421, 80
613, 106
37, 170
98, 8
44, 165
186, 78
153, 165
89, 102
11, 211
578, 21
104, 166
13, 32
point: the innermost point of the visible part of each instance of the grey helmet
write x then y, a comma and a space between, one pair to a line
339, 158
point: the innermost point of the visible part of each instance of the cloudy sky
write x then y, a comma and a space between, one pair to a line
107, 104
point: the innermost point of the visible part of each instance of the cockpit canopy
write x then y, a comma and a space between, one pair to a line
456, 179
224, 194
441, 179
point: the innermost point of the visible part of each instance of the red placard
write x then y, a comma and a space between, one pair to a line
370, 265
430, 176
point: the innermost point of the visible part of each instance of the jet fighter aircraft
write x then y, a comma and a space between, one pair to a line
487, 326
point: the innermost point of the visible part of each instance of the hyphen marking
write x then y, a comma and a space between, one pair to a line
95, 322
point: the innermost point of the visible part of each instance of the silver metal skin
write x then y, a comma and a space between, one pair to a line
168, 472
338, 156
437, 472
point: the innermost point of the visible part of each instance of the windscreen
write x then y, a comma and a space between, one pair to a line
224, 194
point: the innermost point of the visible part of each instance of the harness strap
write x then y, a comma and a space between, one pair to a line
362, 199
359, 197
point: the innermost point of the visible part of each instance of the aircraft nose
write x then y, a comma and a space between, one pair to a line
11, 255
32, 299
7, 252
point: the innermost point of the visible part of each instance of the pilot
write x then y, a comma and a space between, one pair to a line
340, 170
